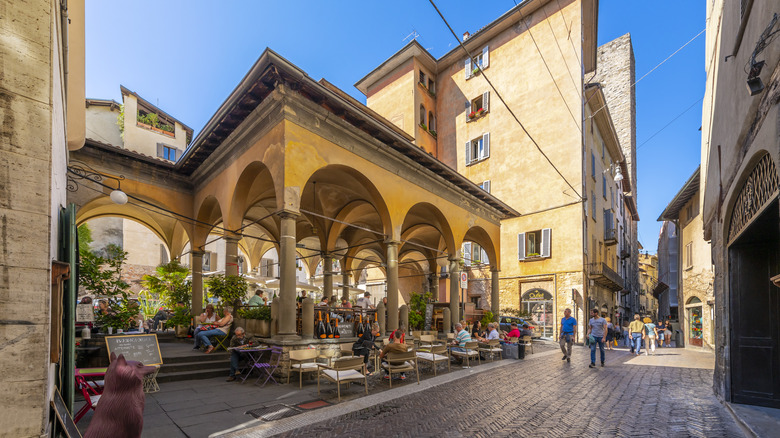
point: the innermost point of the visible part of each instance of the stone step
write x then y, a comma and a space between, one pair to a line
193, 375
196, 356
220, 364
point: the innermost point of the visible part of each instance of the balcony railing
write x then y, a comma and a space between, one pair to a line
610, 236
604, 276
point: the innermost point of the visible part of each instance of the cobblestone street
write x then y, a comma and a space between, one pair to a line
666, 395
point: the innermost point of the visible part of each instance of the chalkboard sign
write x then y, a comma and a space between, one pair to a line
69, 428
142, 348
85, 313
428, 316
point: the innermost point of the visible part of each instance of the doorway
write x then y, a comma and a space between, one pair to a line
754, 257
538, 302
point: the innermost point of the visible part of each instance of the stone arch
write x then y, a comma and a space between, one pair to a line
424, 215
479, 236
757, 186
254, 186
208, 216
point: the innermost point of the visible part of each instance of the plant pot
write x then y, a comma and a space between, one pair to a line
181, 331
265, 328
252, 327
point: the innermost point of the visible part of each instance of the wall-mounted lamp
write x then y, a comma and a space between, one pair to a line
754, 83
615, 167
118, 196
78, 171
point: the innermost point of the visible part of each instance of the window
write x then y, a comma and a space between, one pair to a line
604, 186
267, 268
422, 78
422, 115
689, 255
534, 244
163, 255
593, 165
477, 107
431, 121
209, 261
485, 186
478, 149
473, 254
692, 210
472, 67
431, 86
593, 204
166, 152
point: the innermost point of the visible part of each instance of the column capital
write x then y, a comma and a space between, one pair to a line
288, 214
198, 253
392, 242
495, 269
232, 237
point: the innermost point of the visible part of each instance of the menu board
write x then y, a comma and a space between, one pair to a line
141, 348
85, 313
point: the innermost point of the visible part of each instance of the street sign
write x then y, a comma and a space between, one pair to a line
464, 280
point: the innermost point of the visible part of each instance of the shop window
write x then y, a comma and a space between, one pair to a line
534, 244
694, 310
478, 149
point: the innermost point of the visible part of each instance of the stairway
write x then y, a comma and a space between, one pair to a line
181, 362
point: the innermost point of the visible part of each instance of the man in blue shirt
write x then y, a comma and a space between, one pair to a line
568, 334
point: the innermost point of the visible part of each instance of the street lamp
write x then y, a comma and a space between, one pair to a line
80, 171
618, 175
118, 197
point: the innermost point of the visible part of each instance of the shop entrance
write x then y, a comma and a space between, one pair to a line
695, 323
754, 300
538, 302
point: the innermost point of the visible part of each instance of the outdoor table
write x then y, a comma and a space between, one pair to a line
254, 355
92, 376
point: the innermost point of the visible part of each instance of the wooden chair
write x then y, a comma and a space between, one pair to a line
302, 361
346, 350
526, 340
327, 354
436, 354
343, 371
513, 339
426, 342
401, 363
471, 351
492, 347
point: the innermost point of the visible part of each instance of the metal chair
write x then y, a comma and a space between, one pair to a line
91, 398
343, 371
436, 354
526, 340
401, 363
270, 366
303, 361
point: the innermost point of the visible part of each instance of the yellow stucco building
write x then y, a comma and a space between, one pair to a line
572, 244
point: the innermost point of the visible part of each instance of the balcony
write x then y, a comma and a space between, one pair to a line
604, 276
610, 236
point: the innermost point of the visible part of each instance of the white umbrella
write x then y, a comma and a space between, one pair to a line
274, 284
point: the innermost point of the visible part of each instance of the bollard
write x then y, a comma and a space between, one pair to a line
380, 316
446, 327
403, 318
307, 315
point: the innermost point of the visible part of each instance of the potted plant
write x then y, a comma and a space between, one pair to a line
475, 71
257, 320
230, 289
424, 126
433, 133
481, 111
181, 320
472, 114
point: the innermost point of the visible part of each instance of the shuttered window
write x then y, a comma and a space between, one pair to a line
482, 60
169, 153
485, 186
534, 244
478, 149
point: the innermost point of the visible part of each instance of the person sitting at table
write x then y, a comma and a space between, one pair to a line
258, 299
160, 316
323, 302
204, 321
239, 339
491, 333
401, 334
222, 328
460, 340
345, 303
477, 332
395, 346
526, 331
513, 333
366, 344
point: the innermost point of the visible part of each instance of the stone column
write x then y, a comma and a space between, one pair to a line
435, 284
392, 285
447, 319
494, 294
231, 254
380, 317
454, 292
403, 316
307, 315
327, 276
287, 281
196, 266
345, 283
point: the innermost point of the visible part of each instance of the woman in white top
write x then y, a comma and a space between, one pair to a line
222, 328
204, 320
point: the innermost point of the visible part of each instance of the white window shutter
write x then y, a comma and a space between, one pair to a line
546, 242
485, 53
521, 246
486, 101
159, 150
467, 253
468, 110
468, 68
485, 145
486, 186
468, 153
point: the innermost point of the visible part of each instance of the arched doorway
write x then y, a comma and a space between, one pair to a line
539, 303
693, 315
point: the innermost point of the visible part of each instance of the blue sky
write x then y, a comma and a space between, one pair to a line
187, 56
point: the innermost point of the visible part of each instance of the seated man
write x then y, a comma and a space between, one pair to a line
223, 328
513, 333
460, 340
492, 333
526, 331
258, 299
397, 345
239, 339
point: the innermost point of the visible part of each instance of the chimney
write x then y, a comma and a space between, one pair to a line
466, 36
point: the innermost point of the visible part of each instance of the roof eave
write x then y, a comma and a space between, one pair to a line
125, 90
672, 210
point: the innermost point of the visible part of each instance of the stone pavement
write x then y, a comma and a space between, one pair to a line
666, 395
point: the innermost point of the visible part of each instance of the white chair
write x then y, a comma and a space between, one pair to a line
471, 352
343, 371
436, 354
302, 361
401, 363
492, 348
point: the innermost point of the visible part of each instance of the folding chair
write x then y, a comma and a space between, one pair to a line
270, 366
221, 341
471, 351
343, 371
436, 354
526, 340
302, 361
492, 348
91, 398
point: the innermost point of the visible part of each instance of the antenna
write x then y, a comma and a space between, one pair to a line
414, 34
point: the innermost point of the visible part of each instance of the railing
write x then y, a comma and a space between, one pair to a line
603, 275
610, 236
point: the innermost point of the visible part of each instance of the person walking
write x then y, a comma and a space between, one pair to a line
661, 327
635, 332
597, 332
568, 333
668, 334
610, 333
651, 333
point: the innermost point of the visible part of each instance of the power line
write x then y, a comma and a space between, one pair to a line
670, 122
654, 68
555, 37
504, 102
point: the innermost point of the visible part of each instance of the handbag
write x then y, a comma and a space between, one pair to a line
591, 340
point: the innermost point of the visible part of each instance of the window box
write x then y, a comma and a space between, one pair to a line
472, 115
157, 130
481, 103
433, 133
422, 125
